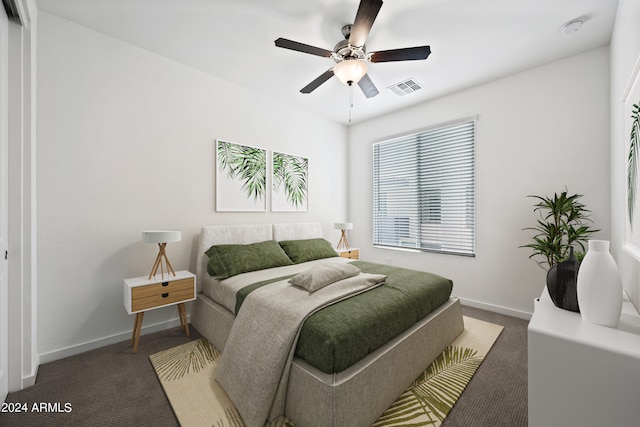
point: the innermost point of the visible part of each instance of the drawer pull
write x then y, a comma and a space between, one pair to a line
165, 283
165, 295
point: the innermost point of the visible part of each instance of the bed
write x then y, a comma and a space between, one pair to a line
316, 396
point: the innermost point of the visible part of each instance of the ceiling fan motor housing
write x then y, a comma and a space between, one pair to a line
343, 50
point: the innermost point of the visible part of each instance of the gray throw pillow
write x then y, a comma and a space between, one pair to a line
321, 275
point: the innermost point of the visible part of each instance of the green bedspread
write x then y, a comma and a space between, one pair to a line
338, 336
244, 292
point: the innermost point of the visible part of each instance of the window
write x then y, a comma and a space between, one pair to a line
424, 190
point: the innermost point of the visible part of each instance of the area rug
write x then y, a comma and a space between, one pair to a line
186, 374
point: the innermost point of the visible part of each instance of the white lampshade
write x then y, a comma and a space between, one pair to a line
343, 226
350, 71
161, 236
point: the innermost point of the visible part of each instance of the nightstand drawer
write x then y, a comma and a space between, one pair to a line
161, 288
159, 294
350, 253
160, 300
145, 297
142, 293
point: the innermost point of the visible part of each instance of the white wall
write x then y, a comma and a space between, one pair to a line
625, 52
126, 143
537, 132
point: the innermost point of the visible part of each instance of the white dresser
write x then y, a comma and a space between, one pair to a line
581, 374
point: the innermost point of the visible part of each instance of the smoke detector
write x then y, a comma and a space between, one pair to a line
571, 27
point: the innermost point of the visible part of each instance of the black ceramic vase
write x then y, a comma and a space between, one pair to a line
562, 281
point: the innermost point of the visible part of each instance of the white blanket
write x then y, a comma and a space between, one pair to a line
254, 367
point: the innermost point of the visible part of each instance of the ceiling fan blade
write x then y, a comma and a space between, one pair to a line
318, 81
301, 47
367, 12
368, 88
406, 54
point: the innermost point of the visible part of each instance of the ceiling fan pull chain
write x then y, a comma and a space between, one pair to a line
350, 100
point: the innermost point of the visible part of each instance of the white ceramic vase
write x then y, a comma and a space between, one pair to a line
599, 286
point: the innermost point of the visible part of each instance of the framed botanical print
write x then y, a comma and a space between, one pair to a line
241, 177
631, 135
289, 184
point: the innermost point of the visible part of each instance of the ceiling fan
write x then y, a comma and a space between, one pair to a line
351, 55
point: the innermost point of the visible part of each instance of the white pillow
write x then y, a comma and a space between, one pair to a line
324, 274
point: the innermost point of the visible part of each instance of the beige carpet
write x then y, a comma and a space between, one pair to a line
186, 373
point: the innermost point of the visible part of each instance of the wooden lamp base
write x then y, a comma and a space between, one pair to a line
162, 255
343, 243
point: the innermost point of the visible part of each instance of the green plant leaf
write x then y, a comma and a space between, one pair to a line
563, 223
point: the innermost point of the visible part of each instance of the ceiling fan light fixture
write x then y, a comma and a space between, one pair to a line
350, 71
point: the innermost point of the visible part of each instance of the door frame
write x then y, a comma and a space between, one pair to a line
4, 143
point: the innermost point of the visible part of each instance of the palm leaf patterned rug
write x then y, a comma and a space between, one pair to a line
186, 374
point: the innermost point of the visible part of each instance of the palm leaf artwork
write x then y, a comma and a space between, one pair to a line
177, 362
290, 175
247, 164
432, 395
632, 170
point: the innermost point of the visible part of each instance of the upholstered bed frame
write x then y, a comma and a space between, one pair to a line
361, 393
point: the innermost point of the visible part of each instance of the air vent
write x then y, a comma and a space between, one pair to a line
405, 87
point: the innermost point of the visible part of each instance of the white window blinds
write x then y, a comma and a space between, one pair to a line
424, 190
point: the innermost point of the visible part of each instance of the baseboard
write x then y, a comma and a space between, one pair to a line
496, 308
102, 342
29, 380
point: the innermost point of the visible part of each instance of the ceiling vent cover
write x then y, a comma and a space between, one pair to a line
405, 87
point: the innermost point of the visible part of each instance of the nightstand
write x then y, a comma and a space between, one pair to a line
351, 253
142, 294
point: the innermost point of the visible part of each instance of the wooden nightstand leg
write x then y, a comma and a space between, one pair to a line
183, 318
137, 326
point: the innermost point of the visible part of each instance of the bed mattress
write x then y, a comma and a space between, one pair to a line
336, 337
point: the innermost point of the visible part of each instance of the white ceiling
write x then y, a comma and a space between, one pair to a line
472, 41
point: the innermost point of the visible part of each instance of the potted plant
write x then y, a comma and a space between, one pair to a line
564, 222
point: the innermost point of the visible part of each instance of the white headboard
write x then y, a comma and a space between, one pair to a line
296, 231
246, 234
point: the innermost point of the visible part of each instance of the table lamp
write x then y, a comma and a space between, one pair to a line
161, 237
343, 243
